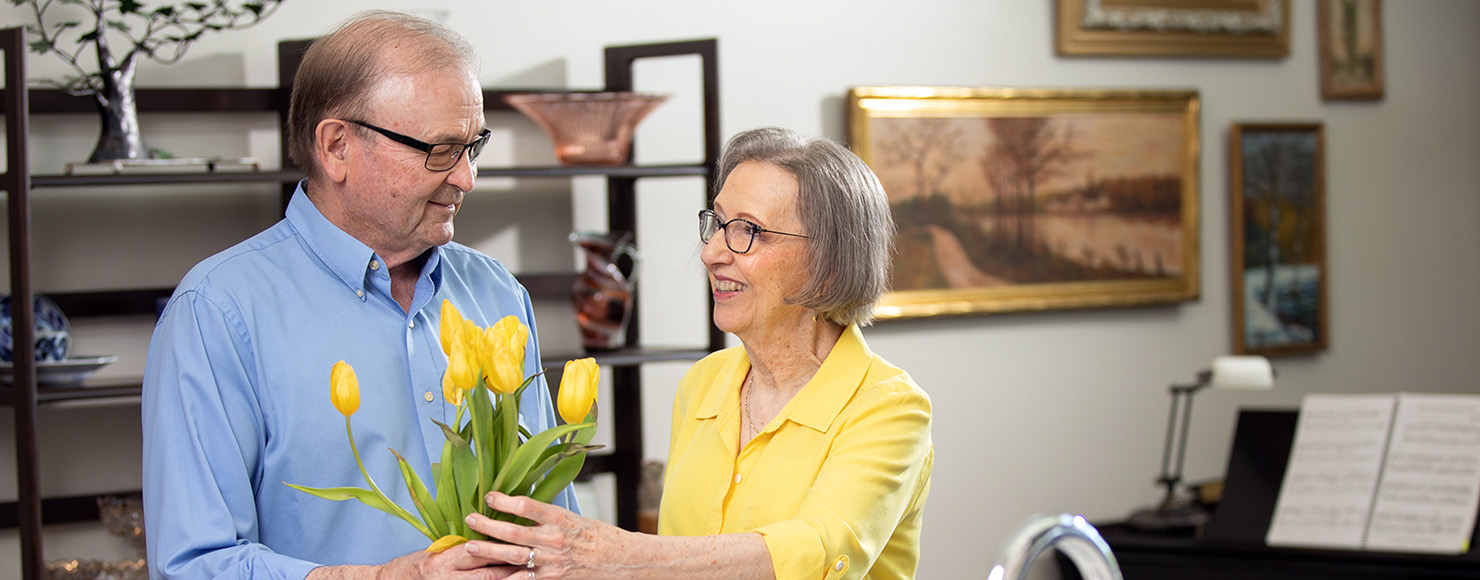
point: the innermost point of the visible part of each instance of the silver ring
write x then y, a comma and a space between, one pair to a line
531, 574
530, 564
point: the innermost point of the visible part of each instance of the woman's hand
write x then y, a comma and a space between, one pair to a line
562, 543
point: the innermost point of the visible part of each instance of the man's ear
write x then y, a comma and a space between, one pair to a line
331, 147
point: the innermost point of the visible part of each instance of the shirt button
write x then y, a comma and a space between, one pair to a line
374, 265
411, 324
839, 566
360, 293
428, 396
739, 478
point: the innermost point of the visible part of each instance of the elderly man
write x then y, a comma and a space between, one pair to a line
387, 117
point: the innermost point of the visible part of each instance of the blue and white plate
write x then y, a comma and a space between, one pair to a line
53, 333
66, 372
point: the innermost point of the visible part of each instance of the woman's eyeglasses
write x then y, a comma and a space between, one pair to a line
739, 233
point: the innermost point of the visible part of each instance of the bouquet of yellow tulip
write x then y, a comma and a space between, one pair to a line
490, 451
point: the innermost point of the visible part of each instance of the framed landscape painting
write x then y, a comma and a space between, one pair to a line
1278, 210
1351, 49
1015, 200
1218, 28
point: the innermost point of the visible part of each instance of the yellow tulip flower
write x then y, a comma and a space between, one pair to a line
446, 542
578, 389
450, 391
450, 327
462, 369
503, 354
344, 388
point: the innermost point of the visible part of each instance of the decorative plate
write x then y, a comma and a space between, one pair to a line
66, 372
53, 333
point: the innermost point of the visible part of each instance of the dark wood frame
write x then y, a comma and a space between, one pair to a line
1073, 38
1331, 89
1316, 214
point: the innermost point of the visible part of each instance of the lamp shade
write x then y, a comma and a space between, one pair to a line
1244, 373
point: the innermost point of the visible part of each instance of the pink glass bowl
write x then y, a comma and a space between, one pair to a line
588, 128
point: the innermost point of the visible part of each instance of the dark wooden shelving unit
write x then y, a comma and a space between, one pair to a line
31, 511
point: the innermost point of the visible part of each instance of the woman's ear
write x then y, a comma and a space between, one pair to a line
331, 147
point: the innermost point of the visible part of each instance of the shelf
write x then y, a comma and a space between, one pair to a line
606, 170
42, 181
291, 176
60, 510
145, 301
131, 387
219, 100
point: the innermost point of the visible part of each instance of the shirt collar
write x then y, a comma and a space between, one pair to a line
341, 253
820, 400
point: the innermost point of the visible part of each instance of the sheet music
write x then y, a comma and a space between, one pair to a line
1333, 471
1430, 488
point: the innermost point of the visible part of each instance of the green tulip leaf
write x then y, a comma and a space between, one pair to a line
446, 500
422, 499
366, 497
524, 457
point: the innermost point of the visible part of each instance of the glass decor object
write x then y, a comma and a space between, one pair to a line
602, 294
53, 333
97, 570
588, 128
123, 515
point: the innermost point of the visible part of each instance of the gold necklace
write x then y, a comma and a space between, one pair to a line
750, 417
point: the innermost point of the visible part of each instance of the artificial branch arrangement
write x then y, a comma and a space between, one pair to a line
118, 33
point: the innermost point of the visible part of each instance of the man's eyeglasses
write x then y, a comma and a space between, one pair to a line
739, 233
440, 156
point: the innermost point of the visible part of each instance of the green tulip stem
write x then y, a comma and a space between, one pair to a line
356, 450
400, 512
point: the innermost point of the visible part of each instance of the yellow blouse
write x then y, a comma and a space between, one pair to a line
836, 483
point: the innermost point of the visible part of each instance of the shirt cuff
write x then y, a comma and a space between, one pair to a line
796, 551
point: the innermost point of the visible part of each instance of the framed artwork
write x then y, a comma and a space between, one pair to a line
1351, 49
1278, 210
1228, 28
1015, 200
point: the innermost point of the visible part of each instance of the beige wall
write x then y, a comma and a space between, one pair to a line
1034, 412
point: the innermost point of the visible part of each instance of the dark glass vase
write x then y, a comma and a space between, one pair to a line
602, 294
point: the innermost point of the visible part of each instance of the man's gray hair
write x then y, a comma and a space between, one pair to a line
340, 71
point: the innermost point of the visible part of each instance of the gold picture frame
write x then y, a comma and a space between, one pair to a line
1216, 28
1277, 208
1350, 49
1033, 199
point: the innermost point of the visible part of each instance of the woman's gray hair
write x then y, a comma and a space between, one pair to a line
844, 210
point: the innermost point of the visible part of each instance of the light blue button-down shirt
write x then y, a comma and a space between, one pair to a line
236, 399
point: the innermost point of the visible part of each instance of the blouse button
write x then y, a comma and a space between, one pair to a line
839, 566
428, 396
739, 478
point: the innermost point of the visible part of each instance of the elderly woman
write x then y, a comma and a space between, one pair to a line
800, 453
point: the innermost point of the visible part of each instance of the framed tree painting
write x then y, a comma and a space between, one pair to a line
1016, 200
1218, 28
1278, 210
1351, 49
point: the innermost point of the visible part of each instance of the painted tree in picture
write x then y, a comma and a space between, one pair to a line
1025, 152
1282, 245
1015, 200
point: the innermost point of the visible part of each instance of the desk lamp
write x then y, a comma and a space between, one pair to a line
1246, 373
